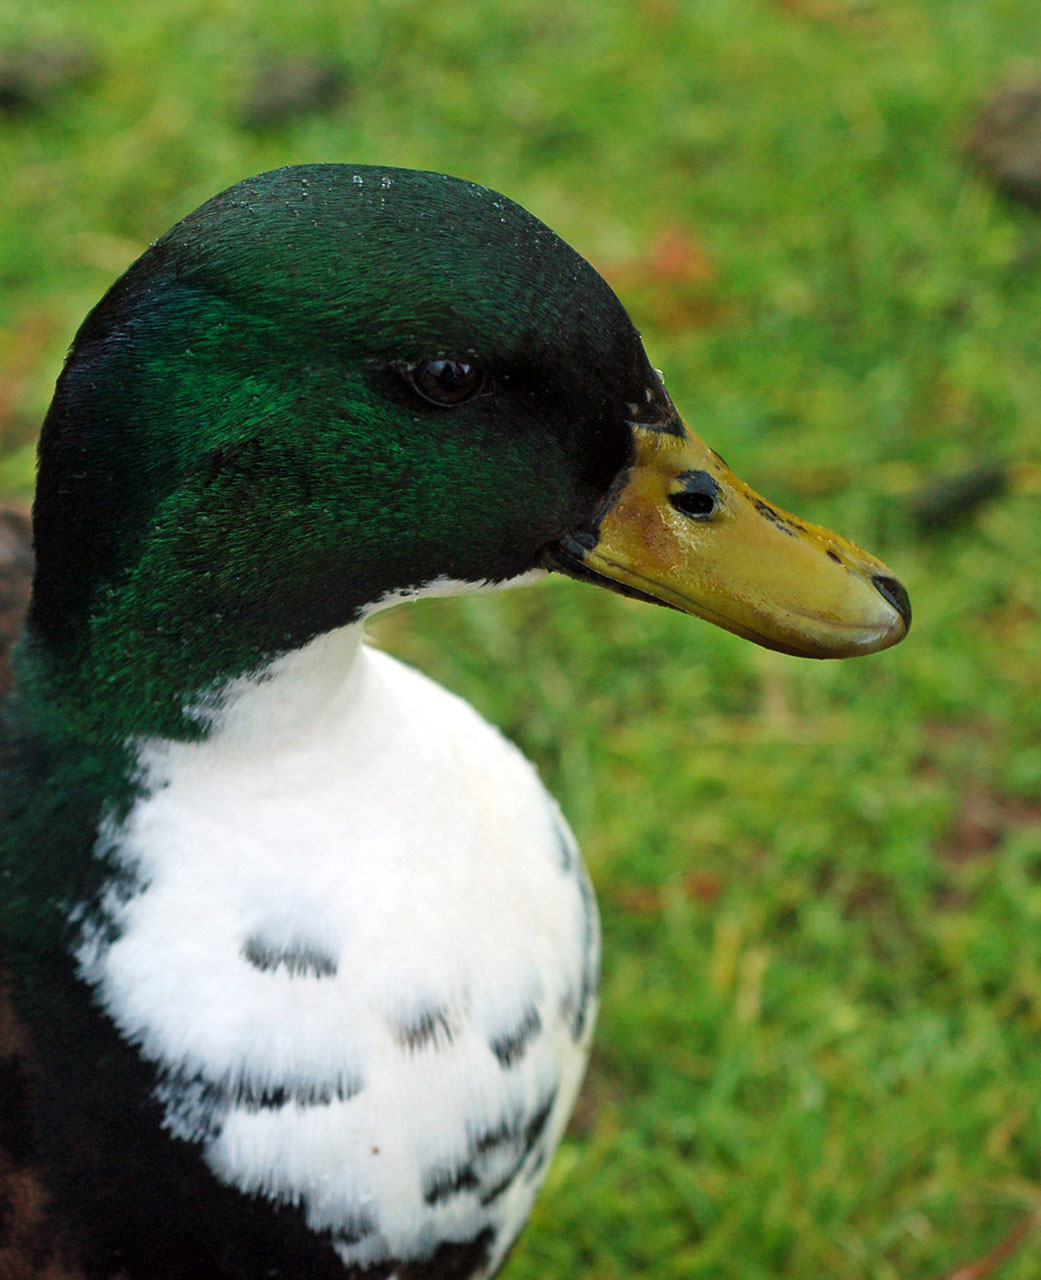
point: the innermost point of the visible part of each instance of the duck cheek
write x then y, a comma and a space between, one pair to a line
685, 531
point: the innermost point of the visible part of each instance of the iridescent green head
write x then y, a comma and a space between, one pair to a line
332, 383
247, 445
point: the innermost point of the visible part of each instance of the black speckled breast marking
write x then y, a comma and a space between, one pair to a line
525, 1141
513, 1139
206, 1101
300, 960
574, 1007
564, 844
513, 1044
441, 1183
430, 1028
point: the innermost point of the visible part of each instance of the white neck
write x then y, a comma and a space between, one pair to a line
278, 702
281, 699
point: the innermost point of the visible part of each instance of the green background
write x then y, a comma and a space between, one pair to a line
819, 1052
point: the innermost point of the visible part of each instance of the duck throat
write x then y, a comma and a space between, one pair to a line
284, 697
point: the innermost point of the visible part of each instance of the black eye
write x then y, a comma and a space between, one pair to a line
448, 382
698, 498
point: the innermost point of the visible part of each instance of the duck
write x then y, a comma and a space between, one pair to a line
304, 954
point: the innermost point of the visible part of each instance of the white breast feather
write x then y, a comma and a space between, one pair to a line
346, 905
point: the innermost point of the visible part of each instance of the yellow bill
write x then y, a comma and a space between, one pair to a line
681, 529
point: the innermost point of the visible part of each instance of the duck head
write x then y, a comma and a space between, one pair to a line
331, 385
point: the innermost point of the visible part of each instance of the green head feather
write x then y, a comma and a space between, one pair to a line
236, 458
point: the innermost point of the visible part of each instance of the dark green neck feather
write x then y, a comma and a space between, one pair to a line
234, 463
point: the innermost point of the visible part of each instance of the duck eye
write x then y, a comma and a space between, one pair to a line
448, 382
698, 499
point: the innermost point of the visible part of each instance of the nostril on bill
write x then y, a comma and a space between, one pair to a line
897, 596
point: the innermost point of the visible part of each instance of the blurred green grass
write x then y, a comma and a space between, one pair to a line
819, 1052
